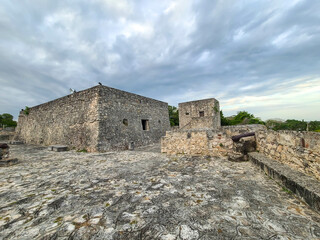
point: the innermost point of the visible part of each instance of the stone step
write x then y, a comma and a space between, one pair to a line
58, 148
305, 187
237, 157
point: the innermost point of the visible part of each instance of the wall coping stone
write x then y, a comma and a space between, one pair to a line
94, 89
302, 185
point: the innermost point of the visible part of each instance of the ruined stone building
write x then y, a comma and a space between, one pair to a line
199, 114
97, 119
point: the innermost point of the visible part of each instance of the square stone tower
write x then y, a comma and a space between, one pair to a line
200, 114
100, 119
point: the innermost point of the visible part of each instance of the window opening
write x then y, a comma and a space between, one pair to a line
201, 113
145, 124
125, 122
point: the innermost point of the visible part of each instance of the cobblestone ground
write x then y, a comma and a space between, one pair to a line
144, 195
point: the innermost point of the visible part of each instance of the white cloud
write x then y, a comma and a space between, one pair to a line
256, 56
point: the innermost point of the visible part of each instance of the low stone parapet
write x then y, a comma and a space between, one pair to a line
205, 142
58, 148
299, 150
196, 143
304, 186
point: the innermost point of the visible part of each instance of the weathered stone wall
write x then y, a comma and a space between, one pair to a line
240, 129
196, 142
299, 150
96, 119
190, 116
71, 120
120, 119
6, 135
203, 141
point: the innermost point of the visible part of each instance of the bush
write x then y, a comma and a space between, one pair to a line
26, 110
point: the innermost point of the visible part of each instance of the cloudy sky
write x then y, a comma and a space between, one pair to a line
261, 56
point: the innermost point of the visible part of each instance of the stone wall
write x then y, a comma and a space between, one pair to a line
199, 114
71, 120
299, 150
97, 119
240, 129
6, 135
120, 119
203, 141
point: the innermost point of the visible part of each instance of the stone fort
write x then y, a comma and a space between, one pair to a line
97, 119
103, 118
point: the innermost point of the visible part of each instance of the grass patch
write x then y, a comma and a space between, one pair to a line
133, 222
58, 220
82, 150
86, 217
287, 190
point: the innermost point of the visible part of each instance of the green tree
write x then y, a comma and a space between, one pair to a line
7, 120
173, 115
273, 124
291, 124
296, 125
224, 120
243, 117
314, 126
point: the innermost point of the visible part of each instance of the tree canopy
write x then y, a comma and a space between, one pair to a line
242, 117
6, 120
173, 115
292, 124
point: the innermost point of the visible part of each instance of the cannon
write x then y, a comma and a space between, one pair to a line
4, 150
238, 137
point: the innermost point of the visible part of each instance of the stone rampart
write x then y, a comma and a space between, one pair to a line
240, 129
128, 119
70, 120
96, 119
203, 141
299, 150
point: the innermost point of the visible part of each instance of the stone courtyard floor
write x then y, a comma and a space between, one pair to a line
144, 195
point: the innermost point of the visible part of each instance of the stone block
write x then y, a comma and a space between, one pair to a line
236, 157
8, 162
16, 142
58, 148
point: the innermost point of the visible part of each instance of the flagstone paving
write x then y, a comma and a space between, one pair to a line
144, 195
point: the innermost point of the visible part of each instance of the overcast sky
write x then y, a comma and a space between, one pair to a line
260, 56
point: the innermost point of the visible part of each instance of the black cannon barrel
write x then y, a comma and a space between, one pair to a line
238, 137
4, 145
